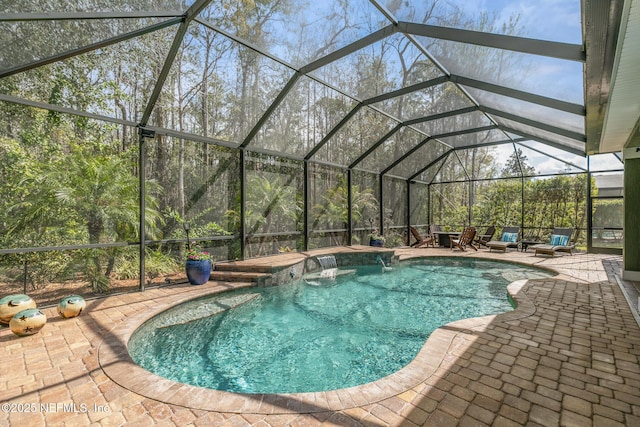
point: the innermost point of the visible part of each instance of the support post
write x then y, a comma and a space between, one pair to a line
243, 202
470, 207
142, 153
25, 278
522, 202
429, 214
381, 206
408, 228
631, 252
349, 208
589, 208
305, 206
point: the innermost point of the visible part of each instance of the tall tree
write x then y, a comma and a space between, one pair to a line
517, 165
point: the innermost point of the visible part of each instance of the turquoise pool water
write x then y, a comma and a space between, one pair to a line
301, 338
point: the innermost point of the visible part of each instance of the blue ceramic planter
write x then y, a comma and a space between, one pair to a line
198, 272
376, 242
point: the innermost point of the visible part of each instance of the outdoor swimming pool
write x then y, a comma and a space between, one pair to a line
302, 338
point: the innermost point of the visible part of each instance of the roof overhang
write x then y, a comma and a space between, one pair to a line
612, 89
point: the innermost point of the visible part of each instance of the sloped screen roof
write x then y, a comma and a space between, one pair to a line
384, 86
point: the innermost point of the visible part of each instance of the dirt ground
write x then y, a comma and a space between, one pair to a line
52, 293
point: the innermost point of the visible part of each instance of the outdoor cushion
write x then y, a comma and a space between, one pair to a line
559, 240
509, 237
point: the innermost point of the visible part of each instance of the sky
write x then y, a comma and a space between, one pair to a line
556, 20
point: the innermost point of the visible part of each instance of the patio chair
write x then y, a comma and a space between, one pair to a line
422, 241
509, 239
483, 239
560, 241
465, 240
433, 230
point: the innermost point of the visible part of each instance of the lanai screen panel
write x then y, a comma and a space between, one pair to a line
459, 122
502, 155
65, 183
23, 42
363, 130
556, 201
218, 88
210, 173
475, 138
607, 230
113, 81
452, 170
431, 170
417, 160
423, 103
496, 17
606, 162
327, 199
450, 205
545, 160
297, 33
274, 205
419, 206
365, 205
71, 186
477, 193
308, 112
394, 203
399, 143
187, 190
607, 204
387, 65
481, 162
550, 77
37, 6
539, 134
497, 203
524, 109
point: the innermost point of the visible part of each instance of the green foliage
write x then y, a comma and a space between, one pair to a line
450, 204
272, 205
197, 228
608, 213
333, 209
196, 253
156, 263
393, 239
499, 203
77, 198
375, 235
42, 268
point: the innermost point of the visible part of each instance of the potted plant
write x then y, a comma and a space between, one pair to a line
376, 239
198, 264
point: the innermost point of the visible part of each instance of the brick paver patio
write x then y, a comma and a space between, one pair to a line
569, 355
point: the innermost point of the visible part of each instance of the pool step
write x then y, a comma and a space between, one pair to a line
262, 265
237, 276
202, 309
232, 266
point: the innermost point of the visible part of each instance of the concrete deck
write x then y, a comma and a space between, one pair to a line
568, 355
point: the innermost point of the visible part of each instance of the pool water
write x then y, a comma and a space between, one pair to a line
302, 338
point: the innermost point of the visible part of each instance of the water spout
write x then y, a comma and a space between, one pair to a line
327, 262
379, 260
329, 268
